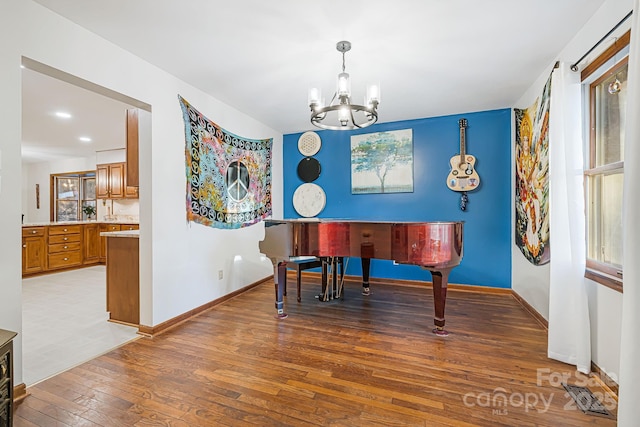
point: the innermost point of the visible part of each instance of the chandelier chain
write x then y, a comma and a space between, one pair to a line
343, 62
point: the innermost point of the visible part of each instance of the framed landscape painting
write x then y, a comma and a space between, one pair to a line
382, 162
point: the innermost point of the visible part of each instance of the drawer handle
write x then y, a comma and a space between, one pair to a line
34, 232
66, 259
66, 238
24, 246
66, 247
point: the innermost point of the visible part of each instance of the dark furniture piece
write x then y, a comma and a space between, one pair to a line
299, 265
435, 246
6, 378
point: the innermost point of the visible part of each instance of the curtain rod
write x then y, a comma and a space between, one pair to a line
574, 67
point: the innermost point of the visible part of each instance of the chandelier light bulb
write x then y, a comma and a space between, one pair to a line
344, 85
373, 94
343, 115
315, 95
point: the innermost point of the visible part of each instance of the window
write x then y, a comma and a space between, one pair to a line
71, 193
606, 90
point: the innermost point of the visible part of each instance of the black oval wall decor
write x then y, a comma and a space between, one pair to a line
309, 169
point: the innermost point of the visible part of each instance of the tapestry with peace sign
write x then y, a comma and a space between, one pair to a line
228, 176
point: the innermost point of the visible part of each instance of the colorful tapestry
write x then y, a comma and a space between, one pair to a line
228, 177
532, 179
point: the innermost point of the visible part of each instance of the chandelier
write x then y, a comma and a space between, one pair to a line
341, 113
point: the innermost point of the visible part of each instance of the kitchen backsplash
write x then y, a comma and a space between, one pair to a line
119, 210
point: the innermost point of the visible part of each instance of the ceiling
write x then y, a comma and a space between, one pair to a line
47, 137
430, 57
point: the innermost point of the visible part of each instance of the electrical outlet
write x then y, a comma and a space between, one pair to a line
220, 275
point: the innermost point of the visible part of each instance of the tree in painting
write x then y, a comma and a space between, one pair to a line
386, 155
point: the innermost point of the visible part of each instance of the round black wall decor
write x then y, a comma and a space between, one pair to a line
309, 169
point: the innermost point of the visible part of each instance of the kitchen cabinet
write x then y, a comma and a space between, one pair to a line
64, 246
110, 181
123, 279
132, 148
33, 249
130, 192
56, 247
103, 240
91, 244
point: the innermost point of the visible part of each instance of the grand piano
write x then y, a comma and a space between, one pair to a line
434, 246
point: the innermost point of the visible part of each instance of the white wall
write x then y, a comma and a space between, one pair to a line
531, 282
179, 262
40, 173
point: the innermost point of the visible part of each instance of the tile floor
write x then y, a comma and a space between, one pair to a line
64, 322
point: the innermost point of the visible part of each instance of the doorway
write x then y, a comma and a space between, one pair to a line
64, 313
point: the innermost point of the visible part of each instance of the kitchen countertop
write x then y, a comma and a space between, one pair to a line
48, 223
125, 233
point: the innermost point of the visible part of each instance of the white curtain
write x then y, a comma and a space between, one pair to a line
629, 397
569, 337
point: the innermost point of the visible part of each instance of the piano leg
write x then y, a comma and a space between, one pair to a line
340, 267
281, 286
324, 291
440, 279
366, 267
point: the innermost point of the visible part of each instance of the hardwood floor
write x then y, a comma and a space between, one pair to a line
361, 361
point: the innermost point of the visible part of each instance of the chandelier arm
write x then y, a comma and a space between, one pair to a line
353, 119
334, 98
317, 117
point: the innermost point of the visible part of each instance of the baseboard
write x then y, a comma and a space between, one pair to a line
151, 331
19, 392
607, 382
411, 283
532, 311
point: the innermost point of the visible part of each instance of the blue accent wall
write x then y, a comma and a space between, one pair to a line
487, 228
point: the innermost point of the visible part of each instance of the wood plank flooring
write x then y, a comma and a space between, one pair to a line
361, 361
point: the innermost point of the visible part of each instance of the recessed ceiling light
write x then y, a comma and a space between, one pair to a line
85, 139
63, 115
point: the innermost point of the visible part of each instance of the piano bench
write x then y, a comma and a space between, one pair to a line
302, 264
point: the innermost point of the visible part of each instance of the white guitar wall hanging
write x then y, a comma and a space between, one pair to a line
463, 176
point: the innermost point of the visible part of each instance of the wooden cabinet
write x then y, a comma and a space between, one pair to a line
57, 247
6, 378
64, 246
103, 240
33, 249
110, 181
123, 279
130, 192
133, 179
91, 244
